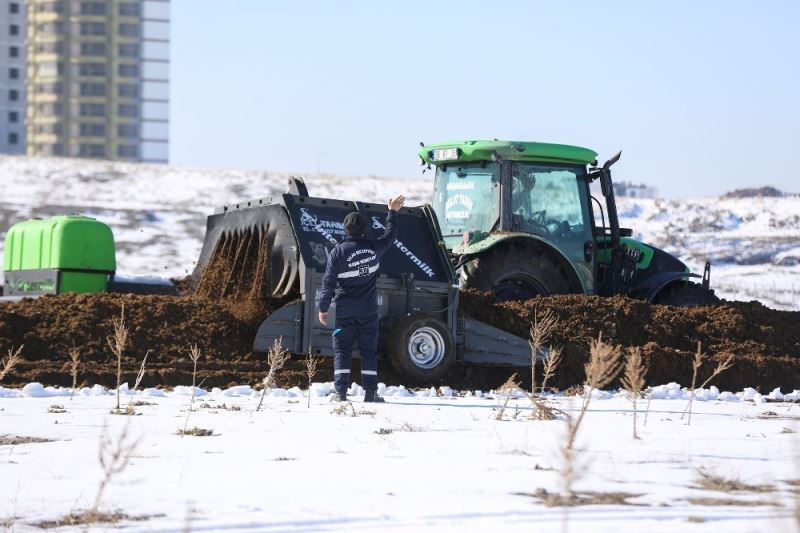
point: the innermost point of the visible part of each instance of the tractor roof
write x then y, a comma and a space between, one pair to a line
514, 150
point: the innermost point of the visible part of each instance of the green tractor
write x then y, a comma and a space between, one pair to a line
519, 220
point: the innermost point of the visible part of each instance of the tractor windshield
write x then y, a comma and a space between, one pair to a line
467, 197
547, 200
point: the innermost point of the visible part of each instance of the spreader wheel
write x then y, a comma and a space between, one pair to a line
421, 348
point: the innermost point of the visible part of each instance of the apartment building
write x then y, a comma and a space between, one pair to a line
96, 78
12, 77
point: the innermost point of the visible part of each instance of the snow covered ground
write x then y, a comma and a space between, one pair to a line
158, 215
420, 462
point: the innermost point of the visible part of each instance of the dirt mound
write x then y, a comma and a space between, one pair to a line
765, 343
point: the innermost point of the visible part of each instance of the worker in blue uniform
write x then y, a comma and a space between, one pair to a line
349, 280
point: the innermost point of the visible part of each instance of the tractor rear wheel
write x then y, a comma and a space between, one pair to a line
686, 294
421, 348
515, 272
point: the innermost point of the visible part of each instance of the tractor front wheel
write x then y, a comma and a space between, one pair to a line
686, 294
421, 348
515, 272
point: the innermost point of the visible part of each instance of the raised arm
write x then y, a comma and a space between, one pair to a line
328, 285
383, 242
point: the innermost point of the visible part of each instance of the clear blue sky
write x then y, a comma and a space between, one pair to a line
701, 97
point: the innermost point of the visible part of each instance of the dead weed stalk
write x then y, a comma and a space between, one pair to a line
117, 344
312, 362
541, 330
508, 387
11, 361
551, 362
633, 379
276, 358
74, 362
603, 366
699, 356
194, 355
114, 456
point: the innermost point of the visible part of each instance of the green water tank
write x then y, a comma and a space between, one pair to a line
69, 253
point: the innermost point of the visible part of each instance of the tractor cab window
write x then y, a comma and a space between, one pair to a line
467, 197
546, 200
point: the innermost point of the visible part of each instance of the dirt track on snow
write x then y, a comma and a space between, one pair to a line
765, 342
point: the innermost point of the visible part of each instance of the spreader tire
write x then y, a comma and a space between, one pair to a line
686, 294
516, 272
421, 348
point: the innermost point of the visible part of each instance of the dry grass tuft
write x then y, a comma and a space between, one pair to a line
541, 330
554, 499
14, 440
710, 481
88, 518
633, 379
195, 432
720, 502
11, 361
56, 408
276, 358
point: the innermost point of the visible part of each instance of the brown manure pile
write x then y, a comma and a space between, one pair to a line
765, 342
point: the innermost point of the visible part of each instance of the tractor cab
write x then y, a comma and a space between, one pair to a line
518, 218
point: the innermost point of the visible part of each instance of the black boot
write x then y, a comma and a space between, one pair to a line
338, 397
372, 397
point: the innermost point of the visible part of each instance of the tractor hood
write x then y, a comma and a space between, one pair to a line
471, 151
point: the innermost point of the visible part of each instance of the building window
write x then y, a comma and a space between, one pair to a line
128, 150
128, 50
13, 51
129, 30
13, 29
52, 129
93, 49
128, 70
93, 89
127, 110
92, 150
49, 109
127, 130
91, 69
93, 110
52, 7
13, 95
93, 8
13, 8
13, 73
127, 90
13, 117
129, 10
49, 88
13, 138
50, 48
93, 130
93, 28
52, 28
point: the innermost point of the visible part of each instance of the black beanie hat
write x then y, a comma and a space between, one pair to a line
354, 224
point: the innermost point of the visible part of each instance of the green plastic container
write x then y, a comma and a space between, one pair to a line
61, 254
